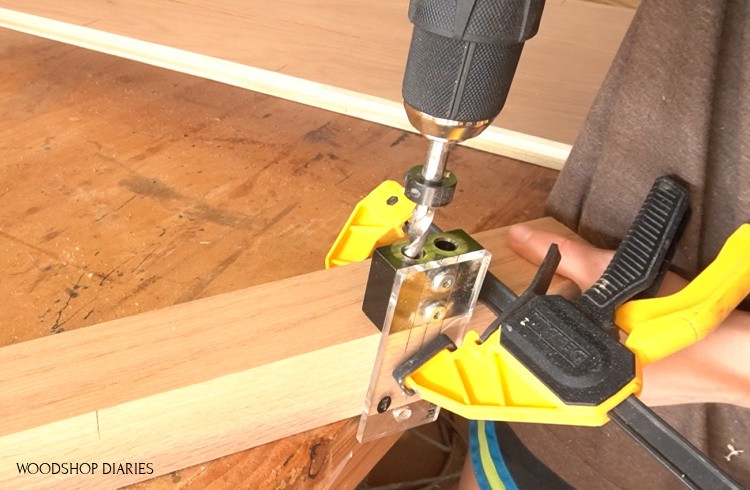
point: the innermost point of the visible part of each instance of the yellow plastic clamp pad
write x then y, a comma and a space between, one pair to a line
377, 220
661, 326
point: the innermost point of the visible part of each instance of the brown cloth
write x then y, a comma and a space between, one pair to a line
676, 101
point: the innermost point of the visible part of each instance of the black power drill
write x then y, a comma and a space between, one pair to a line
462, 59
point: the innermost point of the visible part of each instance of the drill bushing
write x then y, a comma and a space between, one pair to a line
426, 193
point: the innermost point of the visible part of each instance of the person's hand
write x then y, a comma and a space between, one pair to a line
581, 263
712, 370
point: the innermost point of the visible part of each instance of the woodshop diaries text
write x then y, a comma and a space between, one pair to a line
85, 468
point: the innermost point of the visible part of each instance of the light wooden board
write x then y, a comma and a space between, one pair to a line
199, 380
345, 56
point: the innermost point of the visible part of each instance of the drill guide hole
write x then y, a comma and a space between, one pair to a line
446, 244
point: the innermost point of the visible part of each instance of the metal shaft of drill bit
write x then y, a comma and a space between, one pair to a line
437, 157
421, 218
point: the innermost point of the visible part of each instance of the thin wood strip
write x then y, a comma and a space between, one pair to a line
346, 57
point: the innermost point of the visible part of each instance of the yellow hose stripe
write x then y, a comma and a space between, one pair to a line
488, 465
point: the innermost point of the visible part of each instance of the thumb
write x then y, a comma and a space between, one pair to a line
580, 262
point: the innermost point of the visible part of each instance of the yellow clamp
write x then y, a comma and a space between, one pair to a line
377, 220
658, 327
485, 382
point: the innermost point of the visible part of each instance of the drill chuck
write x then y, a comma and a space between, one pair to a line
462, 59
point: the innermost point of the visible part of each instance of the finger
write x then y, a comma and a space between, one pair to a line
580, 262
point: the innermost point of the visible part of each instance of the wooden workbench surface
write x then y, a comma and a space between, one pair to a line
125, 188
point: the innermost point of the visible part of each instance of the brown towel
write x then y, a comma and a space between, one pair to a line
676, 101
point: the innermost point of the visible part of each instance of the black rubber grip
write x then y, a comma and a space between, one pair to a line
480, 21
464, 53
638, 260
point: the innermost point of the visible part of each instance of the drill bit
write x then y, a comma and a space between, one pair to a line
422, 217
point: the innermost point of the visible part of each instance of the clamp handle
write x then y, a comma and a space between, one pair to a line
643, 256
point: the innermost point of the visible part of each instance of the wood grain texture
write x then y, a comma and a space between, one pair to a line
620, 3
343, 56
126, 188
202, 379
325, 457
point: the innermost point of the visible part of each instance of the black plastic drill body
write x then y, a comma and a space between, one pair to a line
464, 54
